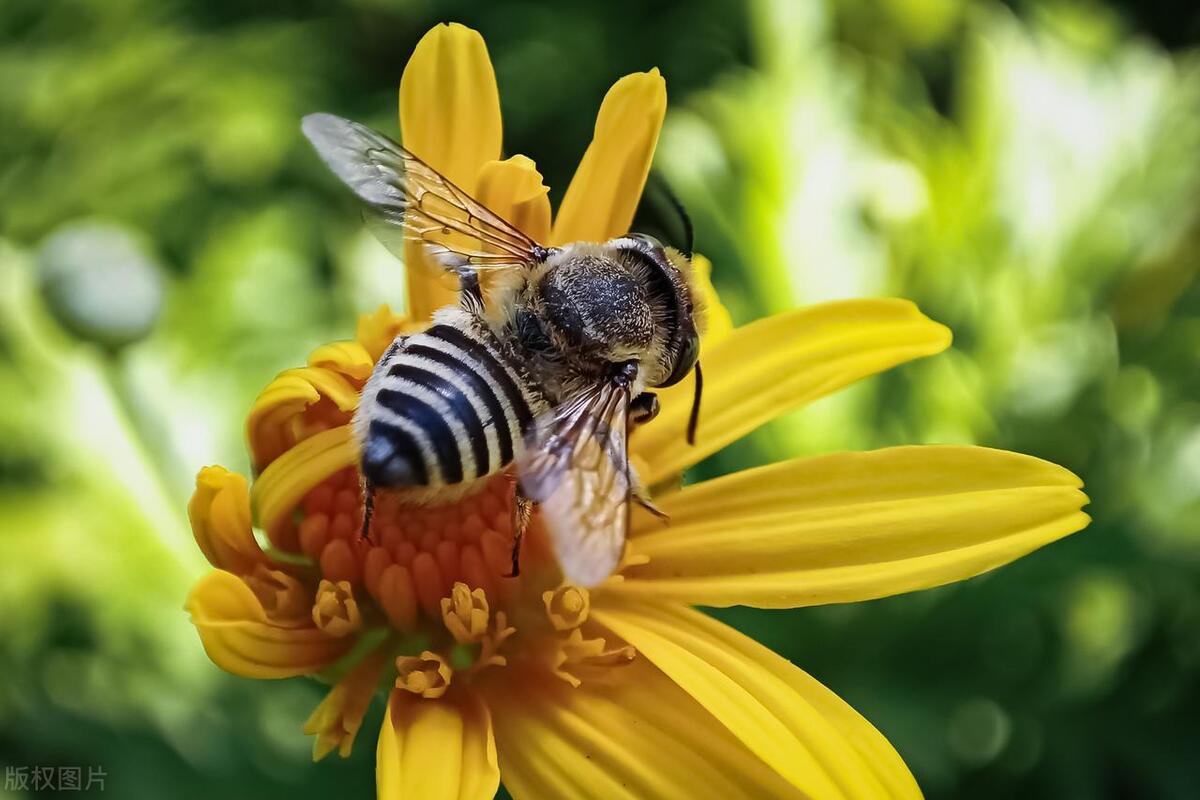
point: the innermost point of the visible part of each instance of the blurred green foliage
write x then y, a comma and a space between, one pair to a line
1028, 173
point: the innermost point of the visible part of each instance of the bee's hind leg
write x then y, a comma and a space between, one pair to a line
522, 511
470, 295
368, 493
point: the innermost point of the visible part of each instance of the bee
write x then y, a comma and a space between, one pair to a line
549, 373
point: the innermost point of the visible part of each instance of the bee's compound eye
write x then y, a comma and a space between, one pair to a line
688, 355
647, 239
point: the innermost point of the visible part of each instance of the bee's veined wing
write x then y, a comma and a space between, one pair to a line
576, 467
406, 196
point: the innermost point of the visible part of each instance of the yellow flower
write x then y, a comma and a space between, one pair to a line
623, 691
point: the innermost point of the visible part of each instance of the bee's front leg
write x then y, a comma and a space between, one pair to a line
641, 496
522, 511
643, 408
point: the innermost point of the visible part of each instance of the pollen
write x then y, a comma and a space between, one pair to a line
489, 651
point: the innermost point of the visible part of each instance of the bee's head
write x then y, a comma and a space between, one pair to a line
629, 299
666, 274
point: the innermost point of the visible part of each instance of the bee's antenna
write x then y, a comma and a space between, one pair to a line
694, 419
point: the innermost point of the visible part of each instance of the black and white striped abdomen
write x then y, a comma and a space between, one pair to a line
444, 407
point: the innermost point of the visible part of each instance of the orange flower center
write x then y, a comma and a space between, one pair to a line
438, 576
415, 555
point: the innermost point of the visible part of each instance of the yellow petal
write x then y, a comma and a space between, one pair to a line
604, 194
281, 485
436, 749
350, 359
717, 322
774, 365
276, 422
220, 515
335, 722
240, 638
450, 118
636, 737
430, 287
449, 103
789, 720
378, 329
853, 526
513, 189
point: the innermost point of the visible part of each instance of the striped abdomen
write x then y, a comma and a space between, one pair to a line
444, 407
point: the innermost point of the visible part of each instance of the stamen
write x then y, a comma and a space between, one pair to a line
567, 606
427, 675
335, 722
576, 656
335, 610
490, 646
465, 613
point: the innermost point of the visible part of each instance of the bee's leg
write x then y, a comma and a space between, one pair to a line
368, 510
643, 408
470, 295
522, 510
642, 497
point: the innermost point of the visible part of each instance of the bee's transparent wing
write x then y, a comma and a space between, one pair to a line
576, 467
408, 199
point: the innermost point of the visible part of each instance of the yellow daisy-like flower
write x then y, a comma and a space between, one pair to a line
624, 690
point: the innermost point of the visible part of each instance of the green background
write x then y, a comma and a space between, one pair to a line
1029, 173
